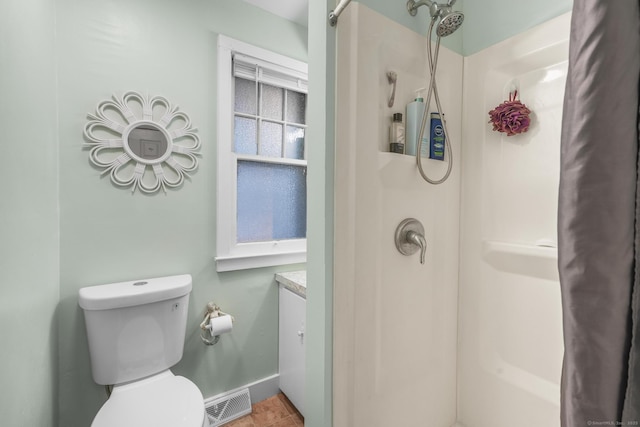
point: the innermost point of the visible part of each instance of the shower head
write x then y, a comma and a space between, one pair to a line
450, 21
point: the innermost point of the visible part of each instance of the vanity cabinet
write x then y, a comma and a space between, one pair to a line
291, 357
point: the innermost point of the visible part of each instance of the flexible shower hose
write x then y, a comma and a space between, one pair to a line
433, 89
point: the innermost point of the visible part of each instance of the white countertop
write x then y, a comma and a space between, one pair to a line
295, 281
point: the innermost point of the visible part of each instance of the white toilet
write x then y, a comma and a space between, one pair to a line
136, 333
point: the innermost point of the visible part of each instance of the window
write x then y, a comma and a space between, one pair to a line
262, 167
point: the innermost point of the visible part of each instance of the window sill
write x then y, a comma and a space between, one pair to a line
245, 262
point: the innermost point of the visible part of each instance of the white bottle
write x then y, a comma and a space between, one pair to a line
415, 111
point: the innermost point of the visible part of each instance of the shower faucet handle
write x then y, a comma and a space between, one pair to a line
409, 238
419, 240
451, 2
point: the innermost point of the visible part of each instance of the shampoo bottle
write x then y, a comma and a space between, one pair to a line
396, 134
415, 110
437, 138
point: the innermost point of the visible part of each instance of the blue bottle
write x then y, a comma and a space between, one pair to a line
437, 138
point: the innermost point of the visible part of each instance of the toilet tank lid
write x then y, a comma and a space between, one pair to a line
134, 292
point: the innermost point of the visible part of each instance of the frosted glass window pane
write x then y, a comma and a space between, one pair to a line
245, 97
270, 139
272, 202
294, 145
244, 136
296, 107
272, 102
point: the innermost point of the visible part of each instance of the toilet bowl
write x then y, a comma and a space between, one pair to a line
136, 332
163, 400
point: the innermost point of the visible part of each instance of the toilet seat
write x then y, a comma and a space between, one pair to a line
163, 400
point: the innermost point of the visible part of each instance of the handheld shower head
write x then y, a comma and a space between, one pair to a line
450, 21
446, 22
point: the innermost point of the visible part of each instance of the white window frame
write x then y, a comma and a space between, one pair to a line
232, 255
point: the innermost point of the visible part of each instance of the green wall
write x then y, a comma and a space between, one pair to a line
397, 11
319, 327
64, 227
165, 47
29, 214
491, 21
485, 22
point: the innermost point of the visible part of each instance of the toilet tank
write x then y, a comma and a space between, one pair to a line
135, 328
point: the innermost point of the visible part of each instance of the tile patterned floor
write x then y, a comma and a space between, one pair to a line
276, 411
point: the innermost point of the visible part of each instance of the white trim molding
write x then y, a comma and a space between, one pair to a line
231, 255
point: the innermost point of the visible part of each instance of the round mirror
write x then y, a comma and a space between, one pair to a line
144, 143
147, 142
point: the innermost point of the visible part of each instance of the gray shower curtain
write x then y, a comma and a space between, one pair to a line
598, 229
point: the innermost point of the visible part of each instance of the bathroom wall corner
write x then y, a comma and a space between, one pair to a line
321, 117
29, 267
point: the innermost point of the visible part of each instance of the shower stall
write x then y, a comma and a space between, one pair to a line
472, 338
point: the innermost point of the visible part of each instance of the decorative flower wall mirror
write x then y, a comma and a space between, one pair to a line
142, 142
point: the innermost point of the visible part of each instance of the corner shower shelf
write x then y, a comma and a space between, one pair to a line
386, 157
523, 259
525, 250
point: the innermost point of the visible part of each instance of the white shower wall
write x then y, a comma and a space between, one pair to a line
407, 350
395, 319
510, 327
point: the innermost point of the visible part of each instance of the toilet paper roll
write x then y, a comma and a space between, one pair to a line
220, 325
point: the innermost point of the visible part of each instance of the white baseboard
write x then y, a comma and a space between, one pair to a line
259, 390
264, 388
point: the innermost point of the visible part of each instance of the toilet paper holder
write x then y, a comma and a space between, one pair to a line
213, 312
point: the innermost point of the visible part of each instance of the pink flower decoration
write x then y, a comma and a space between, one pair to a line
510, 117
